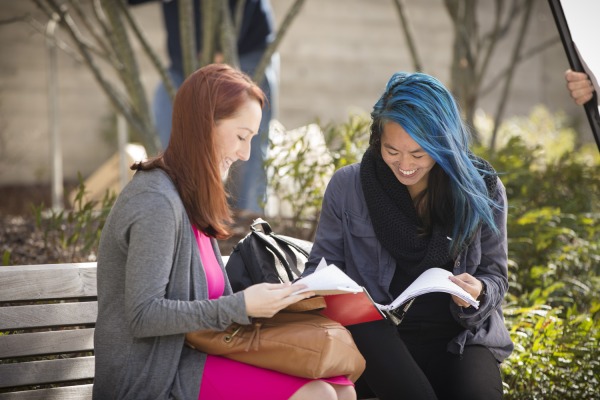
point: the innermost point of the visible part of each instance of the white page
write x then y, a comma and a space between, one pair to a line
432, 280
328, 279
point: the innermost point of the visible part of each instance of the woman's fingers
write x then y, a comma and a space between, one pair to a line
580, 86
470, 284
266, 299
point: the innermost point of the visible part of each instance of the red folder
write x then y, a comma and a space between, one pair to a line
352, 308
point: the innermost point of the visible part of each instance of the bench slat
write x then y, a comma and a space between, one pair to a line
44, 343
52, 281
48, 315
47, 284
81, 392
47, 371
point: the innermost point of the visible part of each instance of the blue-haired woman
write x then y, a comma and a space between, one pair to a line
420, 199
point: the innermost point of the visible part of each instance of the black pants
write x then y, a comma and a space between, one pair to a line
414, 364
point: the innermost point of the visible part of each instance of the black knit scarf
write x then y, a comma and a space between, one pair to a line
395, 220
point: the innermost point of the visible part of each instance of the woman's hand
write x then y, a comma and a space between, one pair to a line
266, 299
579, 86
470, 284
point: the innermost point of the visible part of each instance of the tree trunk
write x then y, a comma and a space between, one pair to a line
513, 66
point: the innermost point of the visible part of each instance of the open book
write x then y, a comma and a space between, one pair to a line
349, 303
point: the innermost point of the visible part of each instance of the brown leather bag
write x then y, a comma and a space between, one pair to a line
304, 344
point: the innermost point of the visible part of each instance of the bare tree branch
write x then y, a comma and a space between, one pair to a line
259, 72
117, 99
492, 38
228, 37
513, 65
417, 64
474, 51
37, 26
12, 20
239, 16
532, 52
155, 60
187, 36
210, 21
463, 14
98, 37
129, 73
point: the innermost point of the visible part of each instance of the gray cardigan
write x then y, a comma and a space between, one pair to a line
345, 237
151, 291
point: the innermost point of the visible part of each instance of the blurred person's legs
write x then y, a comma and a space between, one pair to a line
247, 182
162, 107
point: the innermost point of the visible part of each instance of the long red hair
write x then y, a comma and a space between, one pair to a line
210, 94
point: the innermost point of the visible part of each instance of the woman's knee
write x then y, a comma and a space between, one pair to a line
345, 392
322, 390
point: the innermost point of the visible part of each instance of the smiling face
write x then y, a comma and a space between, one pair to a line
233, 135
409, 162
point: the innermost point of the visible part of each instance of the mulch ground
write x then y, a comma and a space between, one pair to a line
22, 243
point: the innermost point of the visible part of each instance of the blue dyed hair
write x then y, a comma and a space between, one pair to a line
428, 112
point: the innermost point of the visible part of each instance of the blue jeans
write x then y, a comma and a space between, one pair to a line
247, 181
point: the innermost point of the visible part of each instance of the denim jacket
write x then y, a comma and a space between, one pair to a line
345, 237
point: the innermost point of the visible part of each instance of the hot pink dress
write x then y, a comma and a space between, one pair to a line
225, 379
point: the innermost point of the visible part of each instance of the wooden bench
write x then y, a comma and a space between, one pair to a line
47, 317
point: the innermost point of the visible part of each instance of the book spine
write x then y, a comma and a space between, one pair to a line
397, 315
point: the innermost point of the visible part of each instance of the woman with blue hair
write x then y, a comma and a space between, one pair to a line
421, 199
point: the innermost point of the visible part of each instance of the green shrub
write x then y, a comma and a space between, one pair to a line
554, 258
301, 164
74, 235
555, 357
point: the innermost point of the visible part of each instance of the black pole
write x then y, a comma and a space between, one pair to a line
591, 107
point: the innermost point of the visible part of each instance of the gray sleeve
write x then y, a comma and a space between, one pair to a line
329, 239
150, 230
493, 267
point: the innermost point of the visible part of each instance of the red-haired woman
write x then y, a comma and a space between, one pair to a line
160, 273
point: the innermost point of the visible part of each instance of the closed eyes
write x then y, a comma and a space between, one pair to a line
414, 155
246, 133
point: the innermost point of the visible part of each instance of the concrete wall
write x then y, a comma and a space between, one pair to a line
335, 60
85, 115
339, 54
